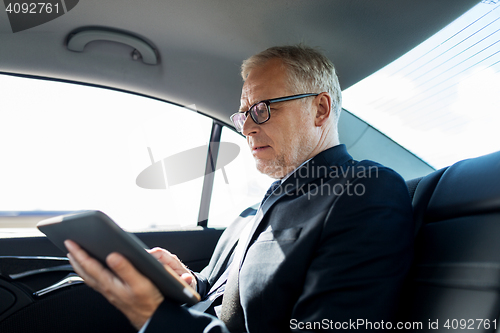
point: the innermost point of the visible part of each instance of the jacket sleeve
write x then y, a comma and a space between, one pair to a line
170, 317
202, 285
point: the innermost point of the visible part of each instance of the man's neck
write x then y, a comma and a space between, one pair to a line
328, 138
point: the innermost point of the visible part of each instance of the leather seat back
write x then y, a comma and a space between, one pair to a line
455, 278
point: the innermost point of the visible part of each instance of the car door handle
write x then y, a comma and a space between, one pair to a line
70, 280
79, 40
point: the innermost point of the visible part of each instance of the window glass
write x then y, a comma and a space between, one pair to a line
69, 147
245, 185
440, 100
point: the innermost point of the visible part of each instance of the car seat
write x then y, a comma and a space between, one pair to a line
454, 283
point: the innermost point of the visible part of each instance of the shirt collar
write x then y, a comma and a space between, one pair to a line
289, 174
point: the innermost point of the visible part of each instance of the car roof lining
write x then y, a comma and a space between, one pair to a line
201, 44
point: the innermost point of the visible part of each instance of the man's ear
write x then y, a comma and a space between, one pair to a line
323, 103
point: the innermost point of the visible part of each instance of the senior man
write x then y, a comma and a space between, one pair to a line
330, 244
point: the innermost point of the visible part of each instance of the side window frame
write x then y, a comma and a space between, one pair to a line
208, 179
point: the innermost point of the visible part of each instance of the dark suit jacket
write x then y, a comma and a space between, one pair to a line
330, 250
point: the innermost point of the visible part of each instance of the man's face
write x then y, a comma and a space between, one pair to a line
288, 138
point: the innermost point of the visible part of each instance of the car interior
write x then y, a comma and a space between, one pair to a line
172, 68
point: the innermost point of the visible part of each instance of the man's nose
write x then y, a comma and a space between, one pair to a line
250, 127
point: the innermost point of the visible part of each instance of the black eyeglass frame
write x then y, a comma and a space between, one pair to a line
267, 102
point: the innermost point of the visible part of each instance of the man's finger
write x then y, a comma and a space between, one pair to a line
123, 269
164, 256
80, 271
170, 261
87, 267
128, 290
76, 255
188, 278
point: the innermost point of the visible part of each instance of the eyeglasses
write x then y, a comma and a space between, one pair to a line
260, 111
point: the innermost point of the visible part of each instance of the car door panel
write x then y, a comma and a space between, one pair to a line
193, 246
32, 271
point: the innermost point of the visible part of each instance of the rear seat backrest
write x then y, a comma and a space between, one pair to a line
456, 271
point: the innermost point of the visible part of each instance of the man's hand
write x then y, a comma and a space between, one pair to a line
171, 260
127, 289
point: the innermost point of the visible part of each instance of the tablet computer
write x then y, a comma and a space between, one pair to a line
99, 235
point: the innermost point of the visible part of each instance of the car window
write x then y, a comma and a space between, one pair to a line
68, 147
240, 187
440, 100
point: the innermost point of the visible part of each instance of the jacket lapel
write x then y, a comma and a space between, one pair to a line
229, 247
317, 167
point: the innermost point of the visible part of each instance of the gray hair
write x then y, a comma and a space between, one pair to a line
309, 71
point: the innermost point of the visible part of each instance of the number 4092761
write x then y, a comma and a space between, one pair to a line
470, 324
32, 8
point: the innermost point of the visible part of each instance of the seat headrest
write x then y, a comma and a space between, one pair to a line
468, 187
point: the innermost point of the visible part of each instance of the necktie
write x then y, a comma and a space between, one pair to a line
270, 191
232, 312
